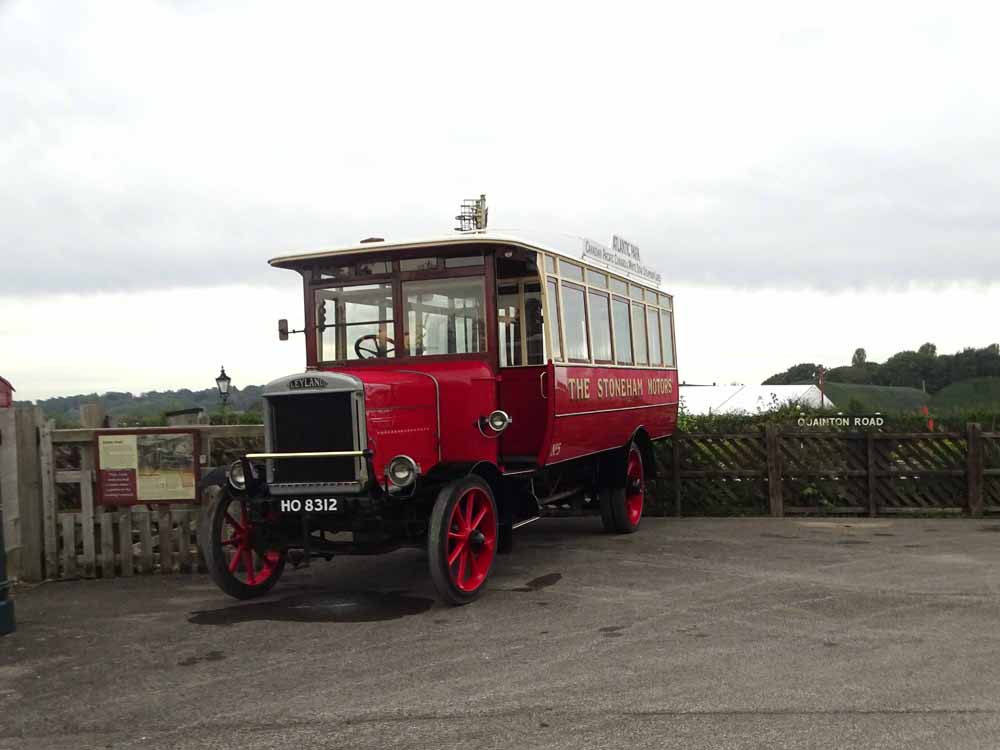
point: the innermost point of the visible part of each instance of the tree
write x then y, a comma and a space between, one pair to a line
928, 349
805, 372
859, 358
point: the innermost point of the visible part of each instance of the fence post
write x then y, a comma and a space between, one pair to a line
974, 437
675, 451
9, 498
49, 519
91, 415
29, 489
870, 444
771, 438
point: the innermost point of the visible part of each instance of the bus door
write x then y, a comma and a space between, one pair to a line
524, 376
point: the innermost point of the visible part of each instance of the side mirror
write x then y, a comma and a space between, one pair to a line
283, 330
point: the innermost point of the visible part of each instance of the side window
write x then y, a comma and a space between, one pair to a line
509, 313
600, 326
639, 333
666, 323
653, 326
519, 321
623, 331
574, 312
533, 333
553, 322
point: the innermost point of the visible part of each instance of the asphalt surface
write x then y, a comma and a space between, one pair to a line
753, 633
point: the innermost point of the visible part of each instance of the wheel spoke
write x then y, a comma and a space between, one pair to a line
235, 562
248, 564
233, 522
230, 542
455, 535
459, 548
462, 560
475, 560
479, 517
469, 500
458, 519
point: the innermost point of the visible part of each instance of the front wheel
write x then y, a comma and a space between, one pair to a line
238, 554
462, 539
622, 496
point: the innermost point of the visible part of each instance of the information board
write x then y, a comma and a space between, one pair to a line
147, 466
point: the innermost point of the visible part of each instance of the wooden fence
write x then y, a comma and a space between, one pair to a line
783, 470
59, 531
53, 529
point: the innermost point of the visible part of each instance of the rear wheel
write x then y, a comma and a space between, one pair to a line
462, 539
623, 496
238, 555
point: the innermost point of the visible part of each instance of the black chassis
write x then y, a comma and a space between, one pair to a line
378, 521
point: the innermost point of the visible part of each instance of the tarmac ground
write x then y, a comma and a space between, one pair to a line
693, 633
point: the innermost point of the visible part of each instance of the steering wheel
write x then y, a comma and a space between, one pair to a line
383, 346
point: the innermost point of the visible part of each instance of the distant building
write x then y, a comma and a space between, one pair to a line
6, 394
748, 399
184, 416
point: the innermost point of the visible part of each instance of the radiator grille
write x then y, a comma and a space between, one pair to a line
311, 423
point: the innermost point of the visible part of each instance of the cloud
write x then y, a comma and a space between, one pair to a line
153, 145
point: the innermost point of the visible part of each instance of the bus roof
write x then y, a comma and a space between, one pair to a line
564, 246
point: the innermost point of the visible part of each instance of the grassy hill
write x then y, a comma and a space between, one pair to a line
972, 395
975, 394
881, 398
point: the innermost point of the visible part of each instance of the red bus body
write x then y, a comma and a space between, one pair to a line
566, 423
481, 377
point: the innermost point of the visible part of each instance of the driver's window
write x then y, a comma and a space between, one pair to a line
355, 322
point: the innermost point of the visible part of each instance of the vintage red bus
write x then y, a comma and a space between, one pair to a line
453, 389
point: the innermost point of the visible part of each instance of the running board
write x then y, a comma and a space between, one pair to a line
525, 522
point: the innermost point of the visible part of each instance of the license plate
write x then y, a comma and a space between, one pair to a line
309, 505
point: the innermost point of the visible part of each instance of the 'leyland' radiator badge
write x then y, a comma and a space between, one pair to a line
300, 383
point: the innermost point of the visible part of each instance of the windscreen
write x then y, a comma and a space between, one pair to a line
355, 322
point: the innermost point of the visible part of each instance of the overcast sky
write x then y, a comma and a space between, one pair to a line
807, 180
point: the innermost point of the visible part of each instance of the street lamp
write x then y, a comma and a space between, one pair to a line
222, 383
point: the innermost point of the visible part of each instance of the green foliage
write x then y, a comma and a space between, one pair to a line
863, 375
147, 409
805, 372
779, 414
230, 417
876, 398
921, 369
981, 394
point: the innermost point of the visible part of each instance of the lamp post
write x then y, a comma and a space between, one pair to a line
222, 383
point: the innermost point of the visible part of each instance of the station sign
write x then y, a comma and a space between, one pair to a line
841, 421
149, 466
622, 256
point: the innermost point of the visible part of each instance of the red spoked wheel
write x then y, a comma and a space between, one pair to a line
622, 497
237, 554
462, 539
635, 486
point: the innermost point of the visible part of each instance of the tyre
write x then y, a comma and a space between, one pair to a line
462, 539
622, 497
238, 560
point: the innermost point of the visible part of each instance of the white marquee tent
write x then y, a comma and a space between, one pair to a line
747, 399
